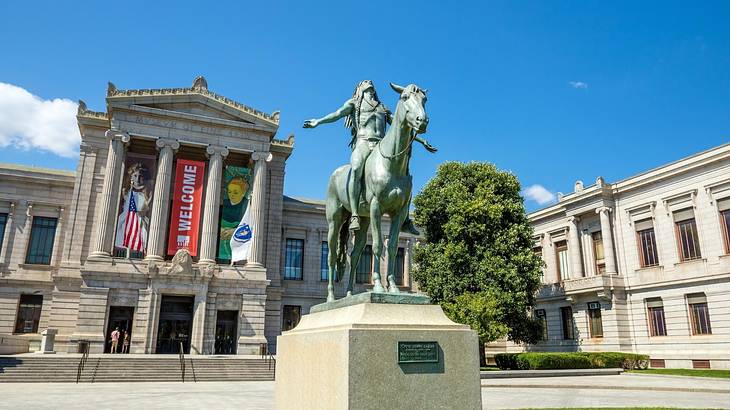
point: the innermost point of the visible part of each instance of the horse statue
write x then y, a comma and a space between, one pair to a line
387, 191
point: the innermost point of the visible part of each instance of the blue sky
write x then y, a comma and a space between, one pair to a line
552, 91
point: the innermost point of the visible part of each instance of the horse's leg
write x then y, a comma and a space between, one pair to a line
395, 226
375, 215
361, 238
334, 223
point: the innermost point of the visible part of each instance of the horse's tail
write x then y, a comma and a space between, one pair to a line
342, 249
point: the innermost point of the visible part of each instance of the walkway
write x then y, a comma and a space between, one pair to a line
615, 391
626, 390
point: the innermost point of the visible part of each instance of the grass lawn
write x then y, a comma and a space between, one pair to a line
725, 374
609, 408
489, 368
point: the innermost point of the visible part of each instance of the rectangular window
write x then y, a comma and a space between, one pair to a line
29, 313
323, 265
365, 267
400, 266
700, 364
290, 317
688, 240
293, 259
657, 363
3, 222
40, 246
566, 316
598, 252
595, 323
542, 318
723, 205
561, 252
657, 324
699, 314
646, 240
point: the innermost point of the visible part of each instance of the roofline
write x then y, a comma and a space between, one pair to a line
638, 180
25, 171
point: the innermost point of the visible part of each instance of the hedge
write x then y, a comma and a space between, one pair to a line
573, 360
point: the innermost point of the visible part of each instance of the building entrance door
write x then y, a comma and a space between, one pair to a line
176, 318
119, 317
226, 332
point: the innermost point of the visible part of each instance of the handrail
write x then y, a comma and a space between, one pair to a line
181, 355
270, 359
82, 362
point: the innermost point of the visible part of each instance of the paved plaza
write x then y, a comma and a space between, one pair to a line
620, 391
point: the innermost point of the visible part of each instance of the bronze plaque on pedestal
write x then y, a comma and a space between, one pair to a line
418, 352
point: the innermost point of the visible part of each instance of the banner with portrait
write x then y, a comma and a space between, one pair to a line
135, 203
187, 202
235, 197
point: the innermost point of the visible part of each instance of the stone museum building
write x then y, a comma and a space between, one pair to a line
639, 265
162, 170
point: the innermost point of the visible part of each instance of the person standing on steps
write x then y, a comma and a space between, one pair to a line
125, 342
115, 340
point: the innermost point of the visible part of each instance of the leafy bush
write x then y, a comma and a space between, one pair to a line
545, 361
506, 361
576, 360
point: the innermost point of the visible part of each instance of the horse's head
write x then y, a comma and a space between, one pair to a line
413, 100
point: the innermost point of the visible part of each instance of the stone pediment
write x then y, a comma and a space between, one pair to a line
194, 102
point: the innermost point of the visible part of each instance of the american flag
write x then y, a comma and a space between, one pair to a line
132, 229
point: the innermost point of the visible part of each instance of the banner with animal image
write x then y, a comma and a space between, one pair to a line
135, 205
236, 193
187, 204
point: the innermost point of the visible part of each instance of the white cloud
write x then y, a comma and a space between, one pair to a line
539, 194
30, 122
578, 84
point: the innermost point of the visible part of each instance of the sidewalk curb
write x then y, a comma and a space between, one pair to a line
592, 387
509, 374
676, 376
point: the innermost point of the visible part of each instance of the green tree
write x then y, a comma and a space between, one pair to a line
477, 260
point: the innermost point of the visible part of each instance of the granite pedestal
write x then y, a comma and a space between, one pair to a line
378, 351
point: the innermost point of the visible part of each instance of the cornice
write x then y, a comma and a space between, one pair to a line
673, 169
643, 179
20, 172
83, 111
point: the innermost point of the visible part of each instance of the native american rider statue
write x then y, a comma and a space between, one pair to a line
366, 118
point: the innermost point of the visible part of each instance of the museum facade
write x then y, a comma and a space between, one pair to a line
640, 265
138, 238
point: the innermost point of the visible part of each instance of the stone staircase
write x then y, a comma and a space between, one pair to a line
138, 368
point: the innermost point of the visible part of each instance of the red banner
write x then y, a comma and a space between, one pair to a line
186, 206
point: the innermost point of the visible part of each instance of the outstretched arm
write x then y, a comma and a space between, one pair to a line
343, 111
430, 148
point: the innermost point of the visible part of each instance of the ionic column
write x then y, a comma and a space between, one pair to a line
212, 203
107, 202
161, 199
607, 238
574, 249
258, 207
